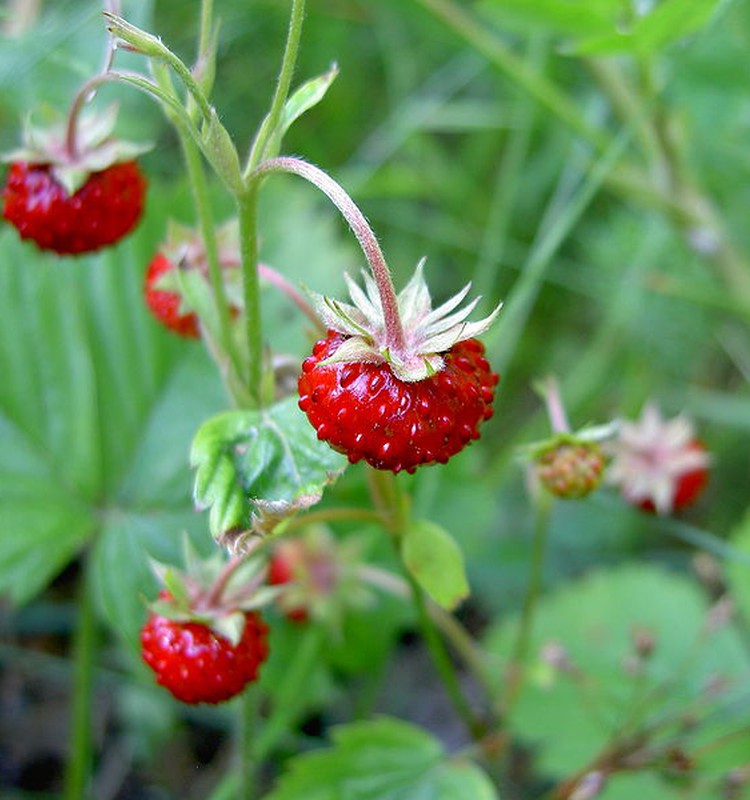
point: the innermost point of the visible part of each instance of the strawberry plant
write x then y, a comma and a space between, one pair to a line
323, 547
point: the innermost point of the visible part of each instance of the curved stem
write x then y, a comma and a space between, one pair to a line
395, 339
289, 60
78, 768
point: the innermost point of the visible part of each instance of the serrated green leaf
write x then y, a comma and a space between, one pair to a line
435, 560
246, 460
382, 759
592, 622
97, 409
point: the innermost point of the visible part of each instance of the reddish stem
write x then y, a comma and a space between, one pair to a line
394, 331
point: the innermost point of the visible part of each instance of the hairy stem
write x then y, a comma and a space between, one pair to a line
360, 228
247, 213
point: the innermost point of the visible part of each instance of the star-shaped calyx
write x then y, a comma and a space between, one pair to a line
658, 464
73, 150
414, 350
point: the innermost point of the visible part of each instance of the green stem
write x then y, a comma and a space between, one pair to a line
520, 650
283, 83
443, 662
396, 341
206, 28
289, 692
247, 766
394, 507
247, 214
78, 770
204, 211
331, 515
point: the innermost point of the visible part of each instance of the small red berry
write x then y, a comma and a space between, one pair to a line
165, 305
281, 571
658, 464
364, 411
198, 665
688, 485
101, 212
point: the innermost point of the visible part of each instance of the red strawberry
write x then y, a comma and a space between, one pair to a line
659, 465
688, 485
103, 210
165, 305
197, 664
363, 410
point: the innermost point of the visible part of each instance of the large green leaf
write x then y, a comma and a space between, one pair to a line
383, 759
97, 408
594, 621
253, 465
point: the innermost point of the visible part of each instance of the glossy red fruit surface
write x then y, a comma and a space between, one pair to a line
165, 305
198, 665
362, 410
688, 486
100, 213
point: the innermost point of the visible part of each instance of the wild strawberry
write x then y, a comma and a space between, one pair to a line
74, 196
172, 299
197, 664
398, 402
570, 469
165, 305
659, 465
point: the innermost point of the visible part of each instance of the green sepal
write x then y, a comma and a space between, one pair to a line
301, 100
219, 149
436, 562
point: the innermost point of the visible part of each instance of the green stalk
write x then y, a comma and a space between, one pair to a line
394, 507
283, 83
202, 200
442, 661
247, 214
292, 687
247, 766
543, 508
78, 769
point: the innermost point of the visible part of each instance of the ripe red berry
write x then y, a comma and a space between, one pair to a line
165, 305
198, 665
101, 212
362, 410
658, 464
687, 486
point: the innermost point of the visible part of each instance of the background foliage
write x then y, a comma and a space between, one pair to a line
612, 222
